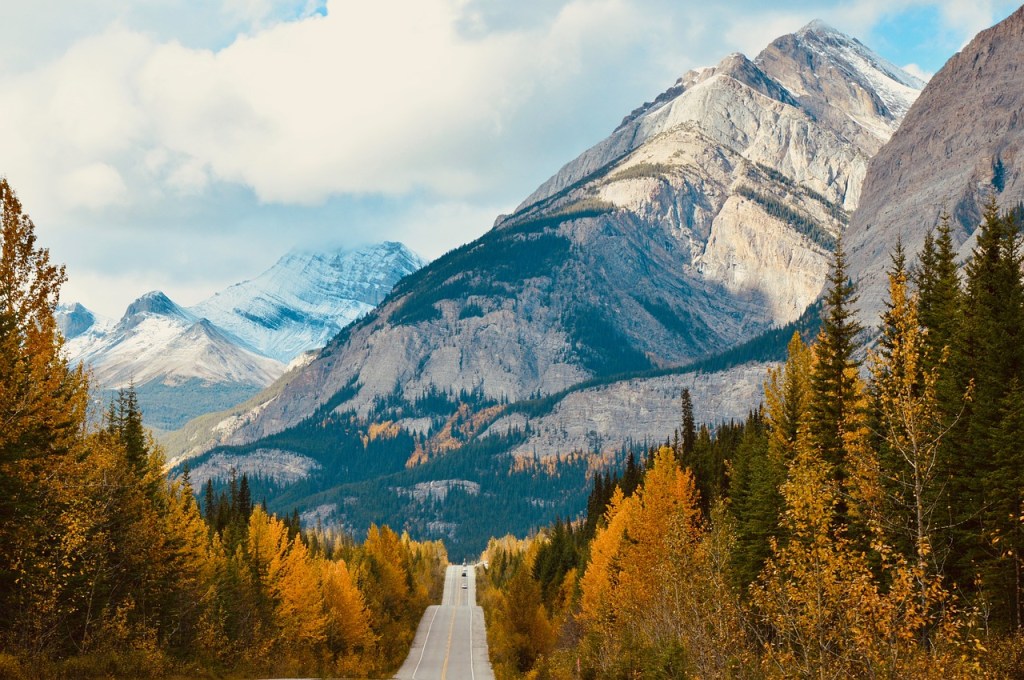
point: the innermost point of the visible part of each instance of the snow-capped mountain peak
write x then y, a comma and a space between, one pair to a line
74, 320
225, 349
155, 302
307, 297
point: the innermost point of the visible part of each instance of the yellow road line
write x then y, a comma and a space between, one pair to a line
448, 652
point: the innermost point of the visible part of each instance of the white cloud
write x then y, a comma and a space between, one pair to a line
250, 116
917, 72
93, 186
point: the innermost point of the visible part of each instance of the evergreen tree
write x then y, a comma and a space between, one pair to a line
124, 423
834, 376
938, 293
631, 476
755, 502
210, 504
244, 499
989, 357
689, 429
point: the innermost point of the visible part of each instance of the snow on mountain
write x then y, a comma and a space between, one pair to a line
307, 297
75, 321
158, 340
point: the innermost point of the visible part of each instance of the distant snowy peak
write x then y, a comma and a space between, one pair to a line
157, 340
307, 297
155, 302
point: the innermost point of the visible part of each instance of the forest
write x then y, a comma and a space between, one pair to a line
864, 522
110, 569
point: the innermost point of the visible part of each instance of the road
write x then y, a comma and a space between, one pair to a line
451, 642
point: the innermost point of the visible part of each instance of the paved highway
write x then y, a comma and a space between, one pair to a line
451, 643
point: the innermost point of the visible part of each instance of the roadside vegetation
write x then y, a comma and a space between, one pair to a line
108, 569
866, 522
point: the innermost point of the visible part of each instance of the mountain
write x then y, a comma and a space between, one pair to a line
76, 322
961, 143
703, 222
180, 364
186, 362
303, 301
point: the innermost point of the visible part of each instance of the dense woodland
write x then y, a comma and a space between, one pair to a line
107, 569
865, 522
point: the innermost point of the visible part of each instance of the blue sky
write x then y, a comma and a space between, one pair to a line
184, 145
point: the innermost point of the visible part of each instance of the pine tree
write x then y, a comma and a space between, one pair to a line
834, 376
689, 429
990, 356
755, 502
938, 293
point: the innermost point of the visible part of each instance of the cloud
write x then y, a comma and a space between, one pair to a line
917, 72
93, 186
190, 126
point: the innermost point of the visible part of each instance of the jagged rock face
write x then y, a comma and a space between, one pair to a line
303, 301
74, 320
961, 142
703, 220
604, 419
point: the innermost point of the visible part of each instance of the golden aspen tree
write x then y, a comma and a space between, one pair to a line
911, 425
299, 609
640, 576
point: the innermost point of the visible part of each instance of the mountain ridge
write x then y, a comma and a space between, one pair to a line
176, 355
699, 224
962, 144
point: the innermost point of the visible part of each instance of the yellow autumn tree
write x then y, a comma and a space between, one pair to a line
347, 619
42, 416
830, 608
639, 581
286, 574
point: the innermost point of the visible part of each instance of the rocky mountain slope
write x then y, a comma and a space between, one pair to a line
703, 221
185, 362
961, 143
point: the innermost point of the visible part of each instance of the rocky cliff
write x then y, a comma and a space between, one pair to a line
961, 143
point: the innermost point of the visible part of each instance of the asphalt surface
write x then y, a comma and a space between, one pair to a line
451, 642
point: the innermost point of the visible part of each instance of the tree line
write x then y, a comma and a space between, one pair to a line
110, 569
866, 521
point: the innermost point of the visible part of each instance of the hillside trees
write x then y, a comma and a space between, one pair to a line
107, 568
861, 525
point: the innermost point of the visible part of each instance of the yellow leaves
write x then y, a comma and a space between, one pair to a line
347, 624
631, 589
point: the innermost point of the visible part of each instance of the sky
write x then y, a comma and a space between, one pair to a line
185, 145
